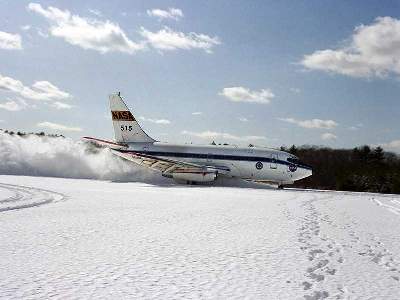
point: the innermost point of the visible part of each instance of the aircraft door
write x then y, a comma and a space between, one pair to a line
274, 161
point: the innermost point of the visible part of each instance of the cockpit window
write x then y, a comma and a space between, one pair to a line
294, 160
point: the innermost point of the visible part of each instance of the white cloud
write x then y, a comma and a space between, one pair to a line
171, 13
61, 105
45, 90
39, 90
96, 12
197, 113
12, 105
295, 90
25, 27
10, 41
55, 126
374, 50
328, 136
393, 146
106, 36
222, 135
243, 119
167, 39
86, 33
156, 121
241, 94
313, 123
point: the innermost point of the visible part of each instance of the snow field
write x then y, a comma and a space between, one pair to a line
99, 239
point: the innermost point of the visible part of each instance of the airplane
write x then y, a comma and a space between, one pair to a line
193, 164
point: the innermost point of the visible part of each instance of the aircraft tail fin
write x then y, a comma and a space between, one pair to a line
126, 128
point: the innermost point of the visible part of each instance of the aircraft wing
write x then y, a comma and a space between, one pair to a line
167, 166
104, 143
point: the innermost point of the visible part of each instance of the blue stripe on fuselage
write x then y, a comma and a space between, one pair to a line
217, 156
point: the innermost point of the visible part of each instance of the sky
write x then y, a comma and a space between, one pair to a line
269, 73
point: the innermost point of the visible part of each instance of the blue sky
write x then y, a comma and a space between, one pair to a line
270, 73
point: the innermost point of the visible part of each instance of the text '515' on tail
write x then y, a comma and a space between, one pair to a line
126, 128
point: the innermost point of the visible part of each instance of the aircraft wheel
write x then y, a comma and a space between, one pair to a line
280, 186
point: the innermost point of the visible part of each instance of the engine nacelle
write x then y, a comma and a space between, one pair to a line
205, 176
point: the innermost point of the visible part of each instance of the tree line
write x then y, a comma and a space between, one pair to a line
25, 134
362, 169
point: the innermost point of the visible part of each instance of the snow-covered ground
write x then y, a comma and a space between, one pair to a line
79, 238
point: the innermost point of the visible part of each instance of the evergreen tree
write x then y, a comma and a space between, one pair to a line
293, 150
378, 154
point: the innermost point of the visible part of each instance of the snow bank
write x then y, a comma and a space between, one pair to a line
62, 157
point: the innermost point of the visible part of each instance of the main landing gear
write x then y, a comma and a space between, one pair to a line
280, 187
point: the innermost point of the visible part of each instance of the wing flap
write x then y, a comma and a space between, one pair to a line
153, 163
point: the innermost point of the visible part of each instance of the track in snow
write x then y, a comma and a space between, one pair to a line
19, 197
327, 252
393, 205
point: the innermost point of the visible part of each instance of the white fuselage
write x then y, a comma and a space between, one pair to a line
248, 163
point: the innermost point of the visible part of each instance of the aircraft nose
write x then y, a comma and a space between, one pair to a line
304, 172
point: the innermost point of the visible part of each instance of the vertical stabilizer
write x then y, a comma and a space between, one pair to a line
126, 128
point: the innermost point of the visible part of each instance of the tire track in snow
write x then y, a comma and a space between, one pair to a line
25, 197
392, 205
372, 248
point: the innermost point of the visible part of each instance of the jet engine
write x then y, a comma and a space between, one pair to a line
197, 176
